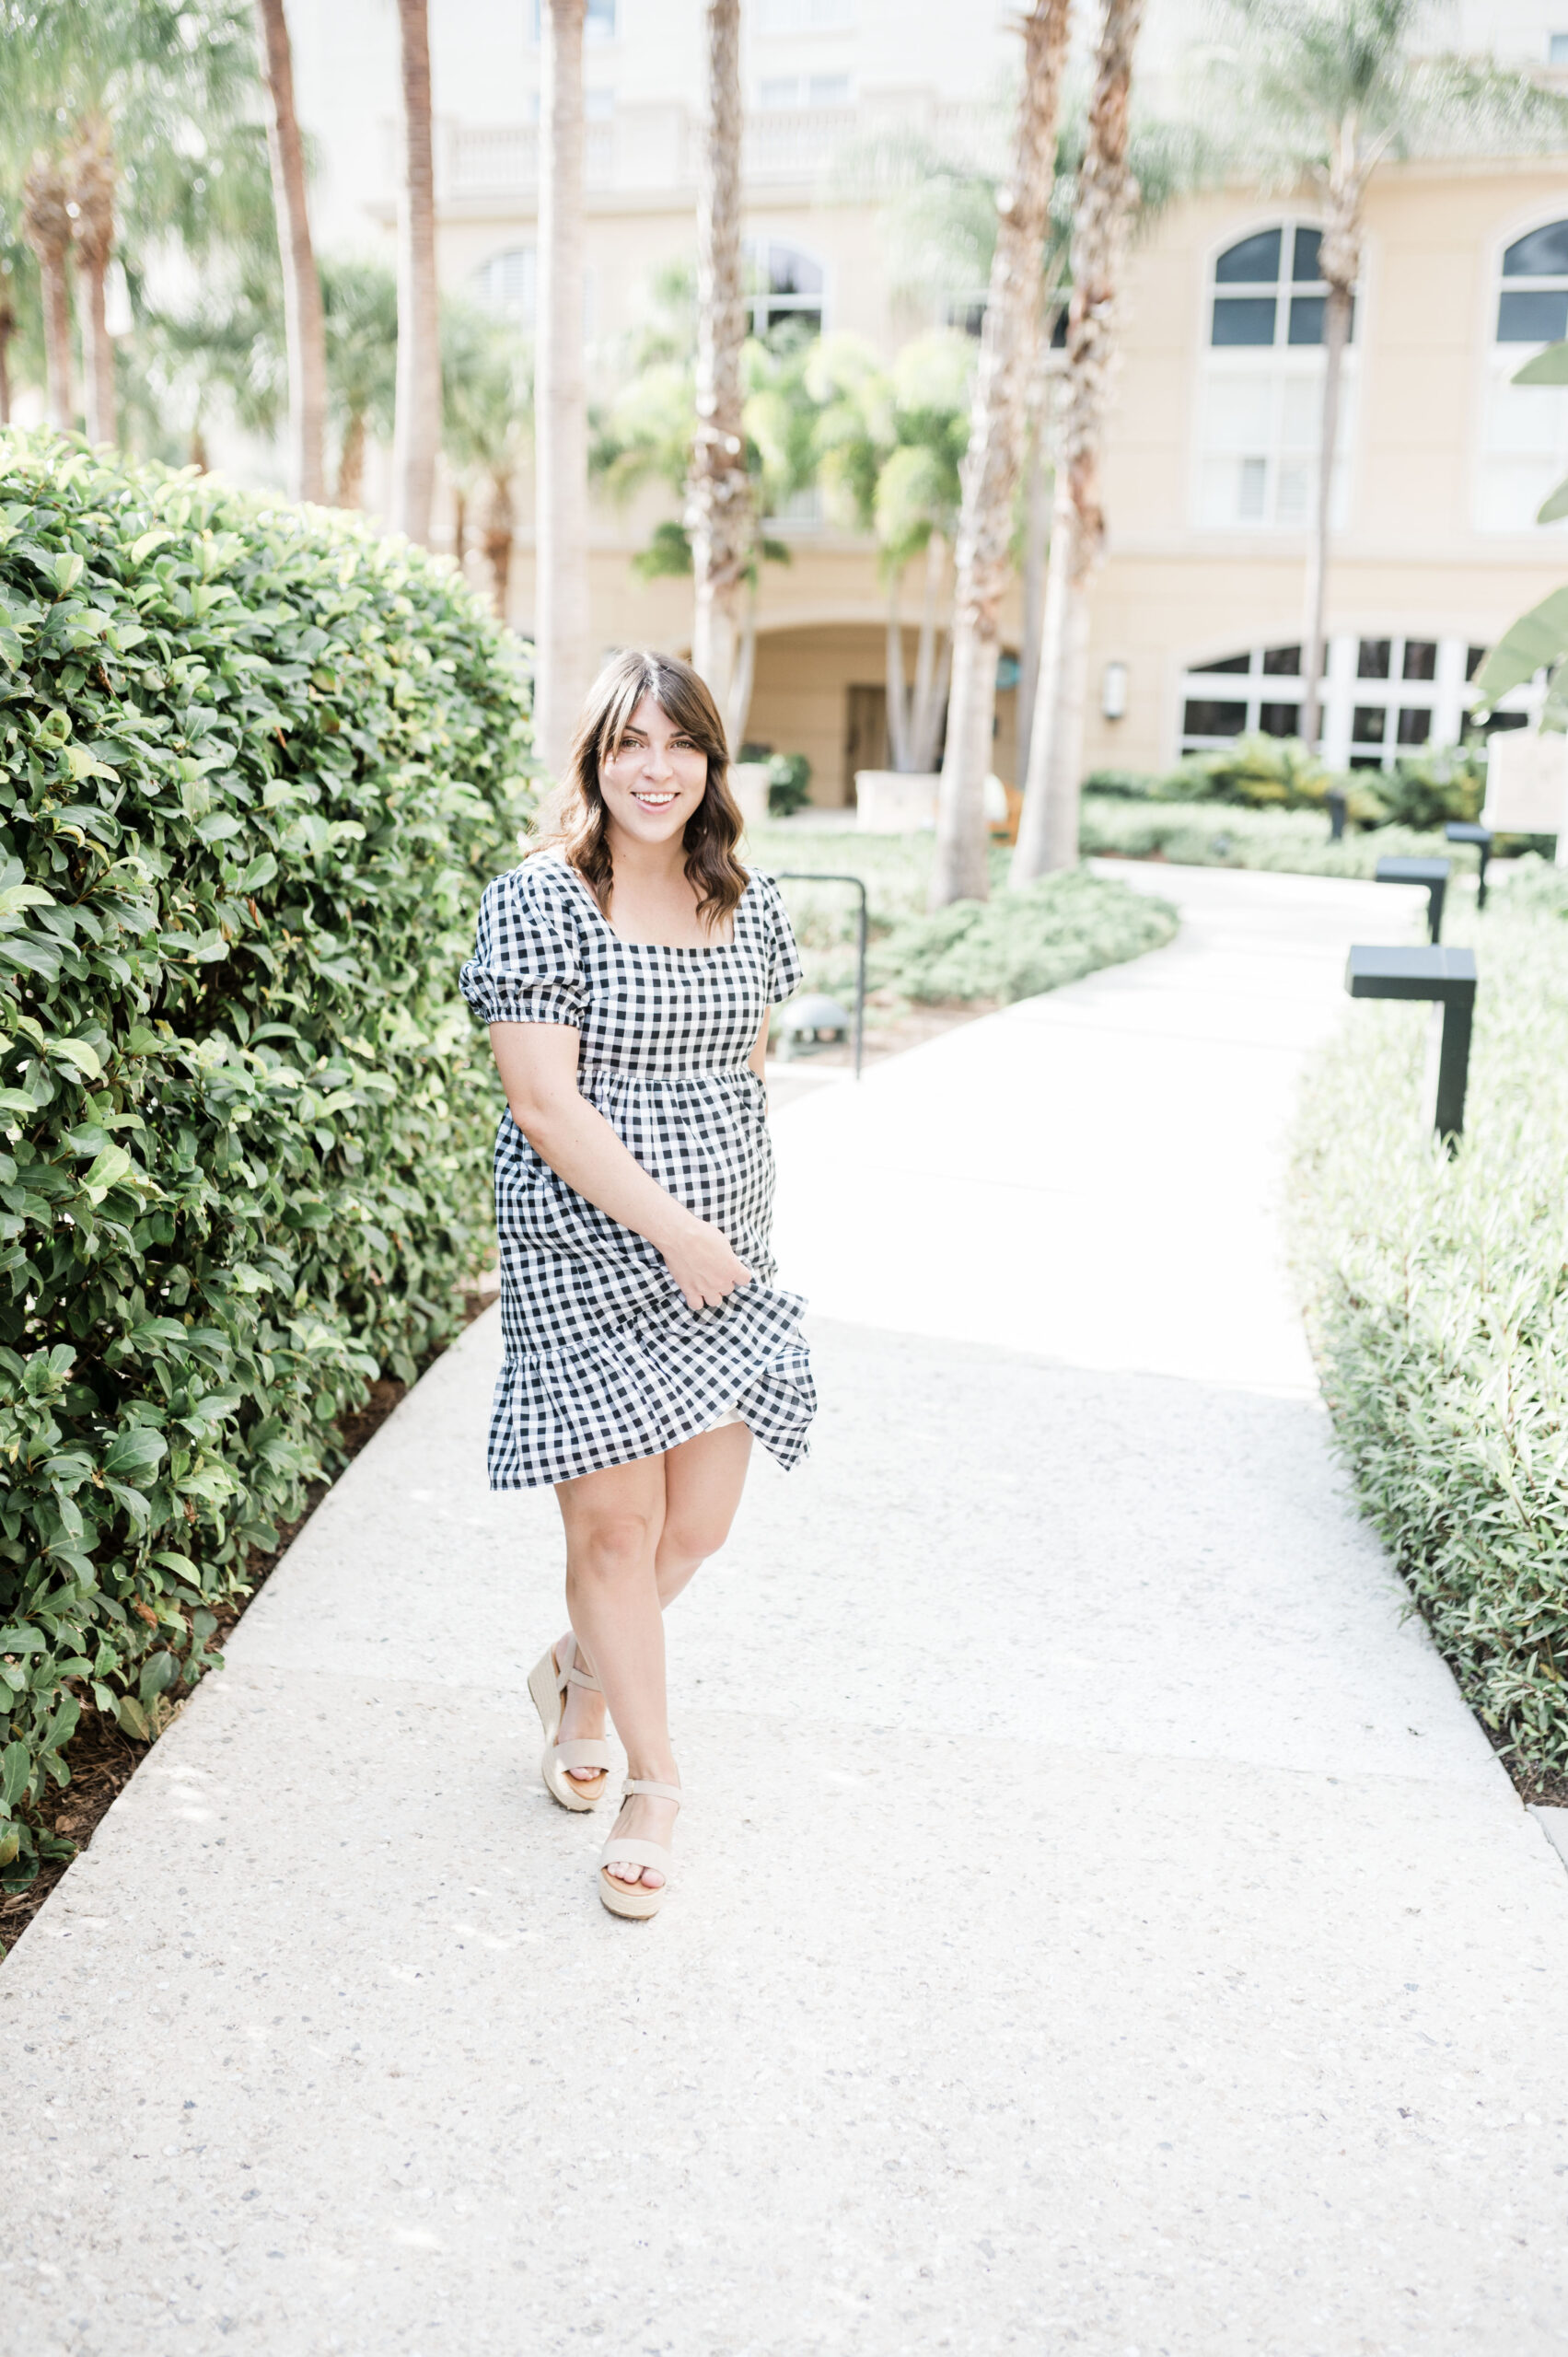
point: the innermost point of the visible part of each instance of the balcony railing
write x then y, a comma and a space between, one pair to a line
652, 146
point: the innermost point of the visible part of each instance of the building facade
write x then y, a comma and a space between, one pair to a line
1209, 481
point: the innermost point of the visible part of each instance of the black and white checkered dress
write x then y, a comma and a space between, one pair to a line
605, 1362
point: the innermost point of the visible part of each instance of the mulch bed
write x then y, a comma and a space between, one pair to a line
102, 1758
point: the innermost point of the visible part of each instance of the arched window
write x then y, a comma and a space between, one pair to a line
508, 283
1525, 430
786, 287
1262, 393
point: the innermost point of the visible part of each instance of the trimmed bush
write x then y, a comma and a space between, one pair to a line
1438, 1304
256, 766
1199, 834
1020, 943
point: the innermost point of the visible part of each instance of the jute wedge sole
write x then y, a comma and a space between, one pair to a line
548, 1682
635, 1899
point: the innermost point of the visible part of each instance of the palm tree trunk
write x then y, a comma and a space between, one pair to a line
719, 507
304, 326
499, 535
930, 681
1339, 263
961, 869
417, 429
459, 525
562, 657
898, 696
351, 462
1037, 537
738, 711
1047, 828
7, 330
46, 225
90, 168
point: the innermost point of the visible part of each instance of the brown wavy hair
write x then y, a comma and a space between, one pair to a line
575, 821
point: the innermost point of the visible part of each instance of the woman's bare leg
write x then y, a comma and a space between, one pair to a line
702, 1481
613, 1521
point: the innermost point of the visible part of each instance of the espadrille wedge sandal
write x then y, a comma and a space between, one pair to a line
548, 1681
637, 1899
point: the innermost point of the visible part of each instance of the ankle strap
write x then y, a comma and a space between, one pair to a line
569, 1673
659, 1792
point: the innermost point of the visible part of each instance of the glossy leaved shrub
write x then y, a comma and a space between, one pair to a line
254, 767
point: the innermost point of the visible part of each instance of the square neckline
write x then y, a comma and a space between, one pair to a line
670, 948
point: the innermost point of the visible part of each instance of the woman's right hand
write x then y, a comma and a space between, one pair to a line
701, 1263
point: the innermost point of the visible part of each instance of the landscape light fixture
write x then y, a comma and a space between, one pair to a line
1113, 691
1433, 873
818, 875
1461, 831
1447, 979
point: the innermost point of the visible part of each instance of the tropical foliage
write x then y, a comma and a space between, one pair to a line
253, 774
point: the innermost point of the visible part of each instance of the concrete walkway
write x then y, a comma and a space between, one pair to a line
1100, 1927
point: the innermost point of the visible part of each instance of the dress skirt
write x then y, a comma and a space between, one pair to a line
605, 1362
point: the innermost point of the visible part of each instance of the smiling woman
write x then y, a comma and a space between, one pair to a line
626, 971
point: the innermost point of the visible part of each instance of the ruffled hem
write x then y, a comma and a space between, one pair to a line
645, 1386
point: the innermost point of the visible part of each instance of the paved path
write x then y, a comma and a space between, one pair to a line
1100, 1928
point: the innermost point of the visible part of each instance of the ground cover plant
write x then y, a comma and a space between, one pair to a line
972, 952
1016, 944
254, 768
1437, 1296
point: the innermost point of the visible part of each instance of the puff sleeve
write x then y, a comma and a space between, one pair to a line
784, 969
526, 966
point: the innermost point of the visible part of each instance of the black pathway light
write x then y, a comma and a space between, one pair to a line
818, 875
1465, 831
1433, 873
1445, 977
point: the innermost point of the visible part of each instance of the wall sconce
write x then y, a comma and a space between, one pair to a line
1113, 691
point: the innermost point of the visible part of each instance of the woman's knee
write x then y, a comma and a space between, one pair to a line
613, 1546
691, 1537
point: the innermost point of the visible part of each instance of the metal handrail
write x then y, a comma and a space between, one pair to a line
822, 875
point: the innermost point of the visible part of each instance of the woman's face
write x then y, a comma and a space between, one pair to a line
655, 779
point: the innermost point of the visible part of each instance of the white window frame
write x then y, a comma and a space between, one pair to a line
1448, 696
1276, 363
757, 241
1498, 362
525, 314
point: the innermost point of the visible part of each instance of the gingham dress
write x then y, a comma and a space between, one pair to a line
605, 1362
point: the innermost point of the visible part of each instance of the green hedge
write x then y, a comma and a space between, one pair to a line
1200, 834
1438, 1302
1019, 942
254, 767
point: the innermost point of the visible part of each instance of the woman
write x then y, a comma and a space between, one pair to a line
626, 971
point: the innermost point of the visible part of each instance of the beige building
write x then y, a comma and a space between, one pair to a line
1199, 610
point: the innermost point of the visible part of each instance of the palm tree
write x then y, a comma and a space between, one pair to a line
1047, 828
46, 225
562, 639
644, 437
1335, 90
360, 323
960, 870
303, 320
83, 82
719, 516
91, 171
417, 429
487, 412
892, 444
